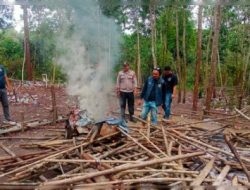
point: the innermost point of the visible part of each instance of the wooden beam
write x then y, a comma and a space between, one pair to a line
203, 173
222, 175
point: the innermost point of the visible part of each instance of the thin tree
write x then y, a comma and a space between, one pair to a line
139, 77
214, 55
184, 73
29, 68
153, 30
178, 51
198, 60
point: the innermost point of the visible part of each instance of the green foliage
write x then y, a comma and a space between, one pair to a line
11, 52
45, 24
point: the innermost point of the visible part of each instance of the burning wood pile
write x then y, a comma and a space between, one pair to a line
177, 155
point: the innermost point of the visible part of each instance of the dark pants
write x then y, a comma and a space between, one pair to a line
124, 98
5, 103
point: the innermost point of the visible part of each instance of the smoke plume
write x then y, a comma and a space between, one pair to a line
88, 46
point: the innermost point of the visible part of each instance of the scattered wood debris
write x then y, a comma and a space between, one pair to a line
178, 154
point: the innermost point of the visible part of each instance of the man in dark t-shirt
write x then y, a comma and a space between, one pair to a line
169, 90
4, 86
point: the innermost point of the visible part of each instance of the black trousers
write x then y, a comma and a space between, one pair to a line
127, 98
5, 103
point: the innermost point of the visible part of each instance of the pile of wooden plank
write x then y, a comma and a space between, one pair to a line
177, 155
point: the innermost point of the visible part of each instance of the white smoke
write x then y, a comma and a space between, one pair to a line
10, 2
89, 47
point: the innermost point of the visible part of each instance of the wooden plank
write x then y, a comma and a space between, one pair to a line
203, 173
222, 175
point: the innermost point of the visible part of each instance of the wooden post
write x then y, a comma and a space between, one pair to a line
22, 121
54, 107
148, 126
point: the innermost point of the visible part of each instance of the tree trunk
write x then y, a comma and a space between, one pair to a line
206, 66
139, 77
153, 31
29, 69
198, 60
214, 55
184, 57
178, 52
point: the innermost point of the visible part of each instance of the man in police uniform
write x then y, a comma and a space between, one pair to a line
126, 86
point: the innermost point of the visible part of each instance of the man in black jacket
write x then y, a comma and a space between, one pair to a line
152, 95
169, 90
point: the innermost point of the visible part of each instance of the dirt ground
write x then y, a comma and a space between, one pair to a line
38, 106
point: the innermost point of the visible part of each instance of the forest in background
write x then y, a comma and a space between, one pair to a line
206, 45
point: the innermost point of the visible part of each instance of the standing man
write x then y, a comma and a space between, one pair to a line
169, 90
152, 95
4, 86
126, 87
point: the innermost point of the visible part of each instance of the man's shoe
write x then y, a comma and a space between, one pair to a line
9, 122
132, 119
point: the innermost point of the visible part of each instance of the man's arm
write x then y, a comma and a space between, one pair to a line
144, 89
135, 84
8, 85
118, 84
175, 87
174, 92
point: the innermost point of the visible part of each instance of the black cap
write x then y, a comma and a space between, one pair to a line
167, 68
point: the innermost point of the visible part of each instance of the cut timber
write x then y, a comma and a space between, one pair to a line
144, 180
140, 145
10, 153
30, 167
203, 173
242, 114
156, 147
165, 138
234, 151
206, 145
222, 176
205, 121
120, 169
18, 127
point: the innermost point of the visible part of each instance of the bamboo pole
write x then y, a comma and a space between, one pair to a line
237, 156
242, 114
120, 169
139, 144
207, 145
146, 180
11, 153
156, 147
39, 162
